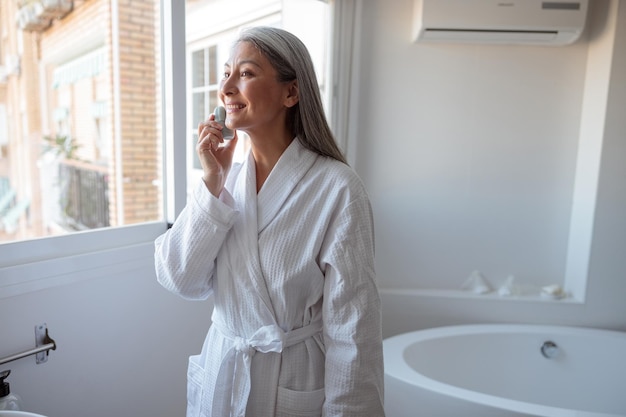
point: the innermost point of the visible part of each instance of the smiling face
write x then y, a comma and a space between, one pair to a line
256, 102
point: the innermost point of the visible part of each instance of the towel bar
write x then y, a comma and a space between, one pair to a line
43, 344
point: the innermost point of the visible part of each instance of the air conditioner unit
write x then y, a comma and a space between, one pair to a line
558, 22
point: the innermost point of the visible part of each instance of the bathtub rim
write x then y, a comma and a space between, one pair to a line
396, 367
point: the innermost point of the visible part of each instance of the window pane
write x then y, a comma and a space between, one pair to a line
197, 78
80, 116
213, 65
307, 19
199, 107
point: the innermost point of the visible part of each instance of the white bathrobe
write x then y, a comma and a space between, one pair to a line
296, 324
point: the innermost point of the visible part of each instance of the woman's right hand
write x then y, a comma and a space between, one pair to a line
216, 160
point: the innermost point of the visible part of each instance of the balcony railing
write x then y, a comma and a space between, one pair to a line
84, 196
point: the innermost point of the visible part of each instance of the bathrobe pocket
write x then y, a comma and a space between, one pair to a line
291, 403
195, 378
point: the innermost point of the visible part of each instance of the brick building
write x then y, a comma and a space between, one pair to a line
81, 80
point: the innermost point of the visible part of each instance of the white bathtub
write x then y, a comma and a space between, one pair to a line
499, 370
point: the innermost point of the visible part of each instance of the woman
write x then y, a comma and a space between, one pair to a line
284, 243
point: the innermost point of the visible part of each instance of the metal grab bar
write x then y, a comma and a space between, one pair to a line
43, 344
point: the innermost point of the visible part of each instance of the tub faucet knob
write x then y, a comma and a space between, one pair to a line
549, 349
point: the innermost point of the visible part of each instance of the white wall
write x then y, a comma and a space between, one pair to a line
470, 155
122, 346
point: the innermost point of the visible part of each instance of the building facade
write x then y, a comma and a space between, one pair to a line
80, 89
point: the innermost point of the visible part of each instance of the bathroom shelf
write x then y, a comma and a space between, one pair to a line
467, 295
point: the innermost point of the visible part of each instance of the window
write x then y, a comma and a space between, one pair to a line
90, 104
208, 48
82, 145
204, 87
204, 82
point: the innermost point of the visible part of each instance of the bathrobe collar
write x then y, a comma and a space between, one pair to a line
293, 164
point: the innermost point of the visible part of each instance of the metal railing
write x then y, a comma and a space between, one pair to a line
84, 196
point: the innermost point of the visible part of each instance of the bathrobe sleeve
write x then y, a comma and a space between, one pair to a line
352, 316
185, 254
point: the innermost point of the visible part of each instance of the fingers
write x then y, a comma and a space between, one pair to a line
210, 134
213, 150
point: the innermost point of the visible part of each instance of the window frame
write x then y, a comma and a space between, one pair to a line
32, 265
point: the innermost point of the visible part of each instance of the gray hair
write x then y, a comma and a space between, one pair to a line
292, 61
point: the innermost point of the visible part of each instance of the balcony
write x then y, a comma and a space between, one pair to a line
37, 15
77, 194
84, 195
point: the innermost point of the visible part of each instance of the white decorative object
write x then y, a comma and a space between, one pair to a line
553, 291
477, 283
509, 287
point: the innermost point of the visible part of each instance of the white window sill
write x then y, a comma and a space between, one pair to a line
36, 265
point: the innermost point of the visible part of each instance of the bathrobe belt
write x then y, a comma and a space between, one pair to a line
233, 380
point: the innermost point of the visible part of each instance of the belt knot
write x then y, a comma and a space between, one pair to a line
244, 346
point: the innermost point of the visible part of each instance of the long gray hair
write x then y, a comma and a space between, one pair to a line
292, 61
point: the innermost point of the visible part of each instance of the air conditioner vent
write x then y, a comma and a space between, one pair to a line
511, 22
